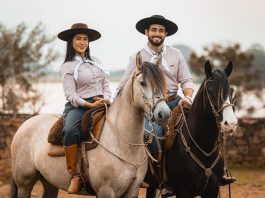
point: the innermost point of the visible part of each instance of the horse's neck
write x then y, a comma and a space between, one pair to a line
202, 125
127, 120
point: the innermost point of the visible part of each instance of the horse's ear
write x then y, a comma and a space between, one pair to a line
229, 68
208, 69
139, 60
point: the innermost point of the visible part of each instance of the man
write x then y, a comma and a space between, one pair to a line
176, 72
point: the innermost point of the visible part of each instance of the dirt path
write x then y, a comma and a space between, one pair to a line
250, 184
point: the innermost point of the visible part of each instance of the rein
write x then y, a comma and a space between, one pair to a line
137, 165
151, 103
207, 171
217, 148
215, 112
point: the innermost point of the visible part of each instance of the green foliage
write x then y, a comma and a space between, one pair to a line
24, 56
245, 75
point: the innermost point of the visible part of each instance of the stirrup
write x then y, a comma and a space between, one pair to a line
166, 189
225, 180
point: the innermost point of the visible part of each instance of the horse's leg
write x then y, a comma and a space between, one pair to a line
49, 191
211, 192
25, 185
24, 177
133, 191
183, 193
105, 192
151, 193
13, 189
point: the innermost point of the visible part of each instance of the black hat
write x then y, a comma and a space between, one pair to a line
143, 24
79, 28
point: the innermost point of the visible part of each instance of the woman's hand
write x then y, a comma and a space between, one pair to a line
99, 102
96, 98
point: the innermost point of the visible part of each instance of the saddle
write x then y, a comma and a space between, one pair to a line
91, 123
174, 123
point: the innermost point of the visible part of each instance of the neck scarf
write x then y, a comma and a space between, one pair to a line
154, 56
100, 66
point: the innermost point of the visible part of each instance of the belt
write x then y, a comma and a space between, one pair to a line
172, 97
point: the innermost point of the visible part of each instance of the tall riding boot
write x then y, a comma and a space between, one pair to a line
160, 169
71, 154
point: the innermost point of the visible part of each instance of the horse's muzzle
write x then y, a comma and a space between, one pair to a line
162, 113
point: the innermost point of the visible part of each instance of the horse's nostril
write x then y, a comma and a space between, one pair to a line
160, 115
226, 123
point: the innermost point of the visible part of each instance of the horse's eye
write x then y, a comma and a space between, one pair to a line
142, 83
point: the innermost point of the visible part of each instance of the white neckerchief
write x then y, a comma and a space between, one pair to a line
100, 66
154, 56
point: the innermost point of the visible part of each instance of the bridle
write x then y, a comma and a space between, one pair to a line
216, 112
152, 102
217, 148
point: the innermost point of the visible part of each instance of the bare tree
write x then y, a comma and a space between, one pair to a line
24, 57
245, 75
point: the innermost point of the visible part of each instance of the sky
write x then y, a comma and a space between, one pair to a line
201, 23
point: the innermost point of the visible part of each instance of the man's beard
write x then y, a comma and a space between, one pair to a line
156, 43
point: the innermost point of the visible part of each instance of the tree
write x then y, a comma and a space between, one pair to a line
259, 57
245, 75
24, 58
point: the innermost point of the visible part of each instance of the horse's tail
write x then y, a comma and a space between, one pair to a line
13, 189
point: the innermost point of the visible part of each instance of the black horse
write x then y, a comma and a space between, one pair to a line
194, 163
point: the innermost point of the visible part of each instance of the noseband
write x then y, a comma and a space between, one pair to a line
150, 102
216, 112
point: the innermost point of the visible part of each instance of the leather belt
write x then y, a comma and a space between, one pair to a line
172, 97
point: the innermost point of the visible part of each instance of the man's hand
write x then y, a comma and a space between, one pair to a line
186, 101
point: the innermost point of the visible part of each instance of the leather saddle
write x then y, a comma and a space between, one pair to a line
92, 122
174, 123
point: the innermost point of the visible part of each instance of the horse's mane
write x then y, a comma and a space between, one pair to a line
155, 75
219, 84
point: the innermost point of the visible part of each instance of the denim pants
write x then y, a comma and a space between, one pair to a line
158, 129
72, 119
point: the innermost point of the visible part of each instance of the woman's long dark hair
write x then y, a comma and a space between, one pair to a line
70, 51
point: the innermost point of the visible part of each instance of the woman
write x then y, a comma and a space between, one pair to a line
85, 87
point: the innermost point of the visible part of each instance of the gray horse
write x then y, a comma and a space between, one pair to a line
118, 165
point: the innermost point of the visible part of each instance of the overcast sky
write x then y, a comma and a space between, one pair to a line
201, 22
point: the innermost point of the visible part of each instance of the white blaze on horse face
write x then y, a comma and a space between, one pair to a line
229, 123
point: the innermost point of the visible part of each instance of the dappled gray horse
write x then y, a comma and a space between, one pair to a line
118, 165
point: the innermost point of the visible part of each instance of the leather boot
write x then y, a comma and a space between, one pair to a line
71, 154
165, 188
225, 180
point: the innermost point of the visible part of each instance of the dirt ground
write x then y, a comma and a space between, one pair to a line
250, 184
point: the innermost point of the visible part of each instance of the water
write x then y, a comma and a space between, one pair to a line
53, 99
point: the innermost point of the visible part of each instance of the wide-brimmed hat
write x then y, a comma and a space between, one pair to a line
143, 24
79, 28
